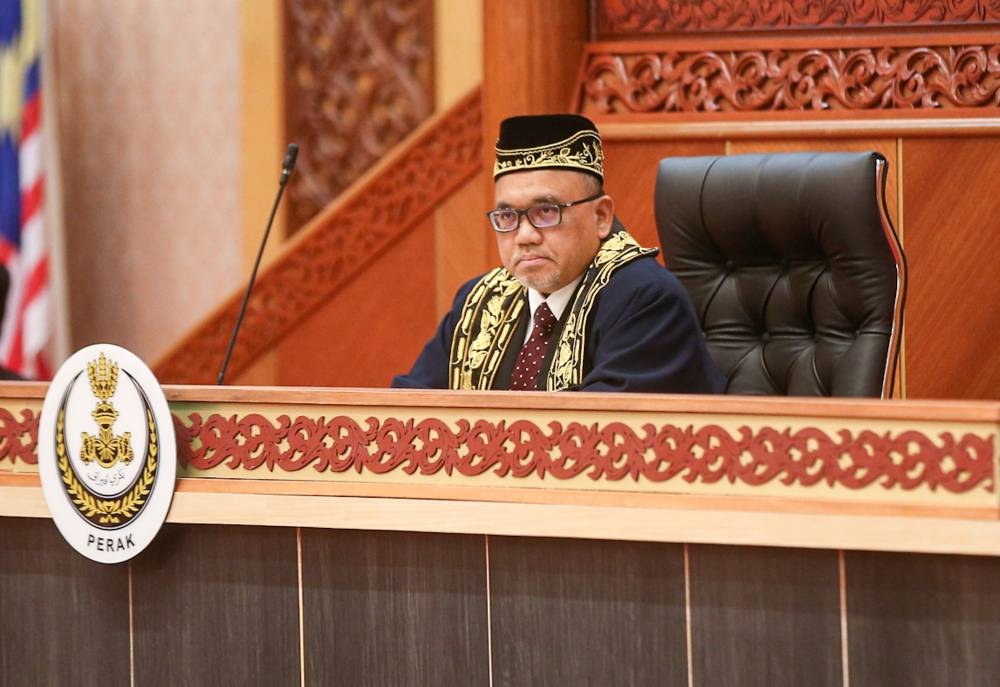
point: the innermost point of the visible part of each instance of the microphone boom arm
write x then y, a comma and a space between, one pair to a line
287, 165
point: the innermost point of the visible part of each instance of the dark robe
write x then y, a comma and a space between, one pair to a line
642, 336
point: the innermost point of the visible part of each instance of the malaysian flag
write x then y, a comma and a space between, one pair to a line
26, 327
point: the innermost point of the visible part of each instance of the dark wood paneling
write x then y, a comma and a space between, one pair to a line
765, 616
630, 178
217, 606
951, 240
394, 609
578, 612
922, 620
63, 618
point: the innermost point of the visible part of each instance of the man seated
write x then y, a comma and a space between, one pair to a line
578, 304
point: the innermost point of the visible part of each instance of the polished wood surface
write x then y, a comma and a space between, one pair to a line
51, 601
765, 617
214, 605
532, 52
951, 240
464, 243
30, 394
392, 288
258, 605
922, 620
394, 608
586, 613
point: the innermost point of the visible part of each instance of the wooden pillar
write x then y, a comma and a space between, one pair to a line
531, 56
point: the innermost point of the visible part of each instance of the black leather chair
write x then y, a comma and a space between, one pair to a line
793, 266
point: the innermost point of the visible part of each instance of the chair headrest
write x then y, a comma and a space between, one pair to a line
792, 265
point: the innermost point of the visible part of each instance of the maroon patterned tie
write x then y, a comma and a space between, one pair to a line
529, 361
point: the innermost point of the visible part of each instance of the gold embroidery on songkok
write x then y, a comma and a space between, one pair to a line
581, 151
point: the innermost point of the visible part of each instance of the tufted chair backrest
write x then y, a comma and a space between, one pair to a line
793, 266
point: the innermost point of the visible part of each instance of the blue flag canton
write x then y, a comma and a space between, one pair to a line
14, 92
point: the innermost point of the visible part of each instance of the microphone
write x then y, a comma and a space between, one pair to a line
287, 165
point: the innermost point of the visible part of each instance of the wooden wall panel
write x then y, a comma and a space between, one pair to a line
393, 609
630, 177
531, 57
921, 620
51, 601
578, 612
465, 245
765, 617
217, 605
371, 329
952, 242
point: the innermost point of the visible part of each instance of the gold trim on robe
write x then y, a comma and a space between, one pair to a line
490, 314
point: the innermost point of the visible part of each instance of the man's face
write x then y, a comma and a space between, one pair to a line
548, 259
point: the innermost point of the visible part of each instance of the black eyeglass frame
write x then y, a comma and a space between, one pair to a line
524, 213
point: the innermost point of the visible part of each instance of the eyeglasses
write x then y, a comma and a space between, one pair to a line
540, 216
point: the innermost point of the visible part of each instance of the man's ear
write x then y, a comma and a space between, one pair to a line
604, 210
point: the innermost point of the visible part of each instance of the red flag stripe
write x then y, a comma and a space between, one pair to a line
30, 116
36, 283
31, 201
42, 369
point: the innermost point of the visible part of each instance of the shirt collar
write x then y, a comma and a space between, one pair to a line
557, 300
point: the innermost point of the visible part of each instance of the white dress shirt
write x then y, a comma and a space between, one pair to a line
557, 301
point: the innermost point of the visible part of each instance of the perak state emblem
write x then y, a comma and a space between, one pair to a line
106, 453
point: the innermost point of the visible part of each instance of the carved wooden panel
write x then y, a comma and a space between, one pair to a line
809, 80
396, 199
358, 81
613, 452
621, 18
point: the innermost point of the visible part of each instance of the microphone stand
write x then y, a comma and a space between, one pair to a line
287, 165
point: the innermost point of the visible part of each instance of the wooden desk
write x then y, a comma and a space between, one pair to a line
385, 537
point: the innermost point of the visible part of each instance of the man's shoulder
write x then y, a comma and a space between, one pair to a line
645, 274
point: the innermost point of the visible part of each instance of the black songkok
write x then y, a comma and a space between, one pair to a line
556, 141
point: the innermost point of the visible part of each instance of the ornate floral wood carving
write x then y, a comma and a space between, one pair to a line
707, 454
19, 436
359, 80
803, 80
407, 188
613, 452
632, 18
